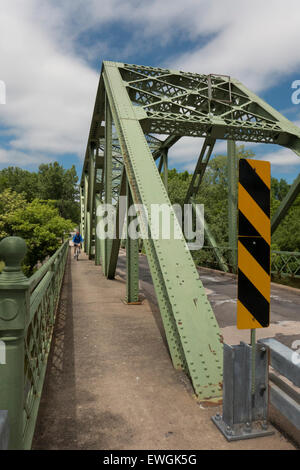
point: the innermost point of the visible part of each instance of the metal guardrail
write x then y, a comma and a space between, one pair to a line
284, 397
4, 430
27, 316
283, 263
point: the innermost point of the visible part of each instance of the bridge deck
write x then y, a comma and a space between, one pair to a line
110, 383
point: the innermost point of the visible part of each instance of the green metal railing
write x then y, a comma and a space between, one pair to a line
283, 263
27, 316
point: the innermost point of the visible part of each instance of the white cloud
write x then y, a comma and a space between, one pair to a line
187, 150
51, 87
286, 159
254, 42
50, 93
13, 157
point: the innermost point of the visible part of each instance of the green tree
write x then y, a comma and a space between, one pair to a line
60, 185
10, 201
213, 194
20, 181
287, 235
51, 182
279, 188
38, 222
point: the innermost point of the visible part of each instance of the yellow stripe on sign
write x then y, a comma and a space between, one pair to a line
254, 214
253, 271
263, 170
244, 318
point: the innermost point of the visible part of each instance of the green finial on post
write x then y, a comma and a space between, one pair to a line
12, 252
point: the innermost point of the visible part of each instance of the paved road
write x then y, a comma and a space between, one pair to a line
222, 292
110, 383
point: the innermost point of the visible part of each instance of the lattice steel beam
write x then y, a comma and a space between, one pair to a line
178, 103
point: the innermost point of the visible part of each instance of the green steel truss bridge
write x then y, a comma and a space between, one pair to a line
139, 113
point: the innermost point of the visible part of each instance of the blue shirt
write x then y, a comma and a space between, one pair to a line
77, 239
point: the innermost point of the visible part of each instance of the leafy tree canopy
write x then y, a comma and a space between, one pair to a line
38, 222
51, 182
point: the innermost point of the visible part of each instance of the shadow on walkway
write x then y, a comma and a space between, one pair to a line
56, 425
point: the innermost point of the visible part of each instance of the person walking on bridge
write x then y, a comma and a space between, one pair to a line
77, 241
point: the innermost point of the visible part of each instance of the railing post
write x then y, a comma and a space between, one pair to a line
14, 310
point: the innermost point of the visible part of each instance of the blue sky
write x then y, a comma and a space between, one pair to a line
51, 54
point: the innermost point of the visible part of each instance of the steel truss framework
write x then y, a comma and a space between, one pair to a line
134, 105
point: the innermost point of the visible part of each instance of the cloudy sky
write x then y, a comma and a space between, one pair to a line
51, 53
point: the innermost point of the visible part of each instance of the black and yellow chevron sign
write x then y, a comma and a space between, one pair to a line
254, 239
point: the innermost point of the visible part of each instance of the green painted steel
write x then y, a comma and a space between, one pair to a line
285, 204
165, 167
147, 102
91, 200
120, 217
86, 223
108, 195
82, 214
97, 239
285, 264
232, 168
27, 316
132, 255
191, 328
200, 168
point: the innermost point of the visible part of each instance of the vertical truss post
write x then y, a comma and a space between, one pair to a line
86, 232
88, 224
132, 255
91, 202
232, 201
107, 176
120, 216
285, 204
165, 167
82, 212
97, 239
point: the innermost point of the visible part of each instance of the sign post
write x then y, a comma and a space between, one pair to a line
245, 383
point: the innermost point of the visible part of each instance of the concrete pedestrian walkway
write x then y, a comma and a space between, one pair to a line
110, 383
